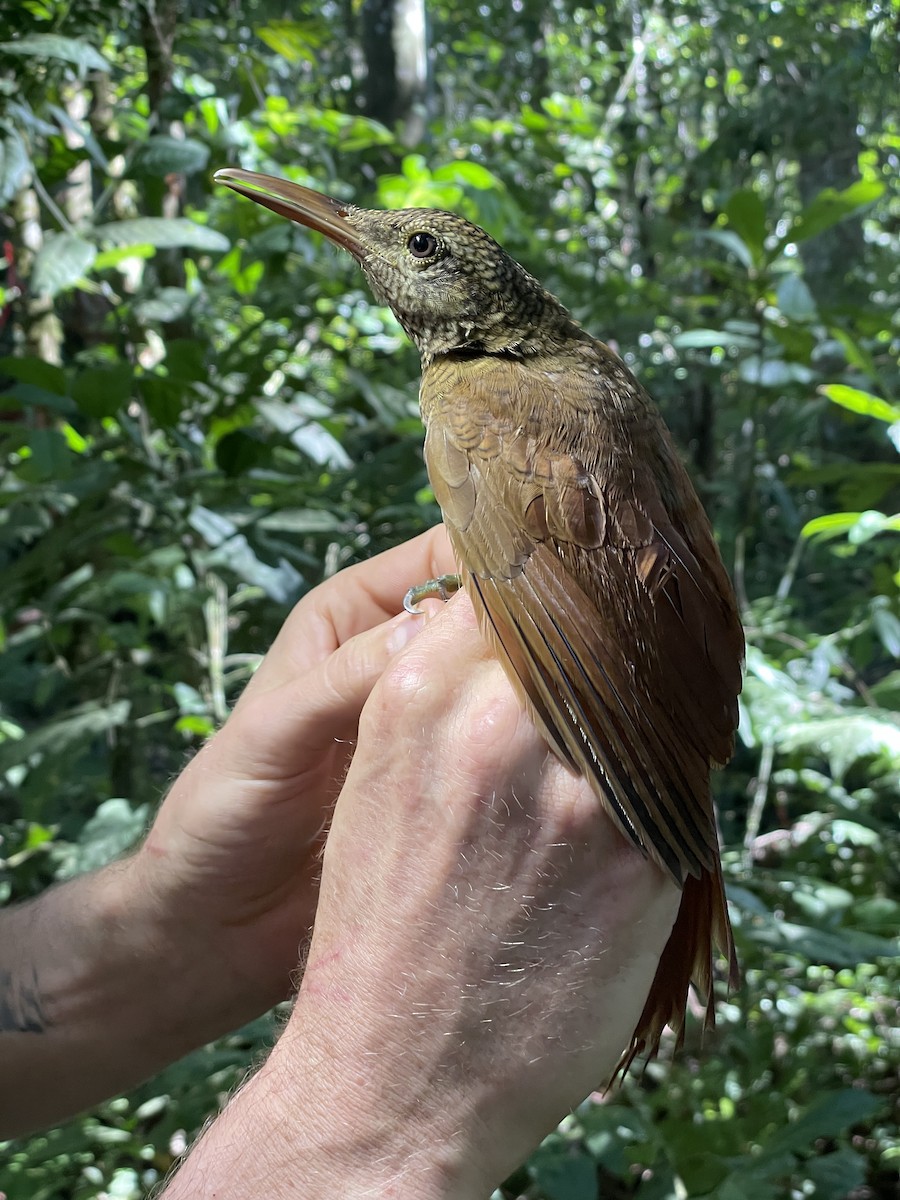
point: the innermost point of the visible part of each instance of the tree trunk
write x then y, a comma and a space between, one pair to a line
395, 45
41, 329
159, 22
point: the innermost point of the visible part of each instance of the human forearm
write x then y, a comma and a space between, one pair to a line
312, 1128
94, 997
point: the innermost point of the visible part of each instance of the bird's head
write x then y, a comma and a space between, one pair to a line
450, 285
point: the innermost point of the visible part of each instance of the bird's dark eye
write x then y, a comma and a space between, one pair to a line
422, 245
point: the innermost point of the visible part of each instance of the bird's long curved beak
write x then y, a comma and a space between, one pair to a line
306, 207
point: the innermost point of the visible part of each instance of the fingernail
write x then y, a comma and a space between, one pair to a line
406, 626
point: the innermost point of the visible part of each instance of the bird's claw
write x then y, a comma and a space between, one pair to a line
441, 588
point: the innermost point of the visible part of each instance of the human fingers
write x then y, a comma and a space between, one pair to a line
243, 817
281, 731
353, 600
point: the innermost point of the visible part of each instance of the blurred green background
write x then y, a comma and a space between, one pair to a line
202, 413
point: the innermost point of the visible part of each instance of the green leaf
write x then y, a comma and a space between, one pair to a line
186, 360
795, 299
565, 1175
195, 726
30, 395
845, 739
162, 232
51, 45
731, 241
861, 402
856, 835
166, 304
836, 1176
113, 829
838, 948
14, 162
747, 217
63, 259
773, 372
473, 174
162, 155
870, 524
164, 399
102, 391
700, 339
302, 521
361, 133
238, 452
856, 355
830, 207
213, 527
831, 1114
282, 582
50, 458
859, 527
83, 133
295, 41
886, 625
312, 438
831, 525
35, 371
70, 730
113, 258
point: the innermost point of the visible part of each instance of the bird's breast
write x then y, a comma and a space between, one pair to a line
528, 410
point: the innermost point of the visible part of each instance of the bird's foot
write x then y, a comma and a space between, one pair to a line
441, 588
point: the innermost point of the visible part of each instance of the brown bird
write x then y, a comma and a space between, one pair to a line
580, 540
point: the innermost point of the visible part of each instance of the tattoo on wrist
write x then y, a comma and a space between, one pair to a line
21, 1007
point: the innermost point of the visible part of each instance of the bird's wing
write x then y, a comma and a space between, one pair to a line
598, 581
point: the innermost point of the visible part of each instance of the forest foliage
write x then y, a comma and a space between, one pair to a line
203, 413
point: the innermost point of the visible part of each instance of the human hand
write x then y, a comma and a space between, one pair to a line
230, 866
484, 944
110, 976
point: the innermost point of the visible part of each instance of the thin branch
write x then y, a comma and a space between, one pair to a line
48, 201
215, 612
790, 571
758, 805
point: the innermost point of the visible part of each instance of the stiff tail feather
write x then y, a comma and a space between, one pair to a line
701, 926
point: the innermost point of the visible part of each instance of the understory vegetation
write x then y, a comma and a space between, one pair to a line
203, 413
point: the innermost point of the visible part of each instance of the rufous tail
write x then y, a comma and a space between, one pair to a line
702, 925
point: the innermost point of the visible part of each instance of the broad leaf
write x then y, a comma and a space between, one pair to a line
747, 217
161, 155
795, 299
51, 45
113, 829
50, 456
838, 1175
773, 372
70, 730
63, 259
295, 41
102, 391
731, 241
703, 339
564, 1174
35, 371
858, 527
845, 739
826, 1117
162, 232
830, 207
861, 402
14, 162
